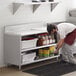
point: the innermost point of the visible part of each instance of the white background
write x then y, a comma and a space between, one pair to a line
24, 14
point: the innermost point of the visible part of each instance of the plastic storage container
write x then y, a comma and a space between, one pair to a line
29, 43
28, 57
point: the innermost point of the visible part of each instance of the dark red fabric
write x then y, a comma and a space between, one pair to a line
70, 38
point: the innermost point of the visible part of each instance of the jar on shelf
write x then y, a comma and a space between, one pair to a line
51, 50
41, 53
46, 52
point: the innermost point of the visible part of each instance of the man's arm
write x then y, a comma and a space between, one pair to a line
59, 44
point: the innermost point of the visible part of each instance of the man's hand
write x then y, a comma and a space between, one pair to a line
59, 45
56, 50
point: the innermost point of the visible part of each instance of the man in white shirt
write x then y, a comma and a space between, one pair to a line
67, 33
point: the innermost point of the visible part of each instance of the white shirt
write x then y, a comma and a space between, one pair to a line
65, 28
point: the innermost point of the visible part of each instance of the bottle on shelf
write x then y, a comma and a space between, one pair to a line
53, 39
50, 39
40, 41
47, 39
44, 40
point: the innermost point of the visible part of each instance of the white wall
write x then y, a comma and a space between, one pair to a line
24, 14
74, 4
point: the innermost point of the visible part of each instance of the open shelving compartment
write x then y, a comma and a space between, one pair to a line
17, 44
53, 55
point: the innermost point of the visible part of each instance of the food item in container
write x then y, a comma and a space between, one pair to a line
40, 41
50, 39
44, 40
47, 39
52, 49
46, 52
53, 39
43, 0
40, 52
51, 0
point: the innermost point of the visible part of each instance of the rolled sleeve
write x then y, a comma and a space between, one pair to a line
62, 34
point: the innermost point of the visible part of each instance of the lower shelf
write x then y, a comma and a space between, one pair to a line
41, 59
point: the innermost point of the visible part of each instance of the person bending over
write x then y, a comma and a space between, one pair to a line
67, 41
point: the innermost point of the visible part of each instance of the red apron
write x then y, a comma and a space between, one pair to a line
70, 38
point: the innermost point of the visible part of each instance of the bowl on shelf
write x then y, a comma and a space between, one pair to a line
50, 0
43, 0
36, 0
